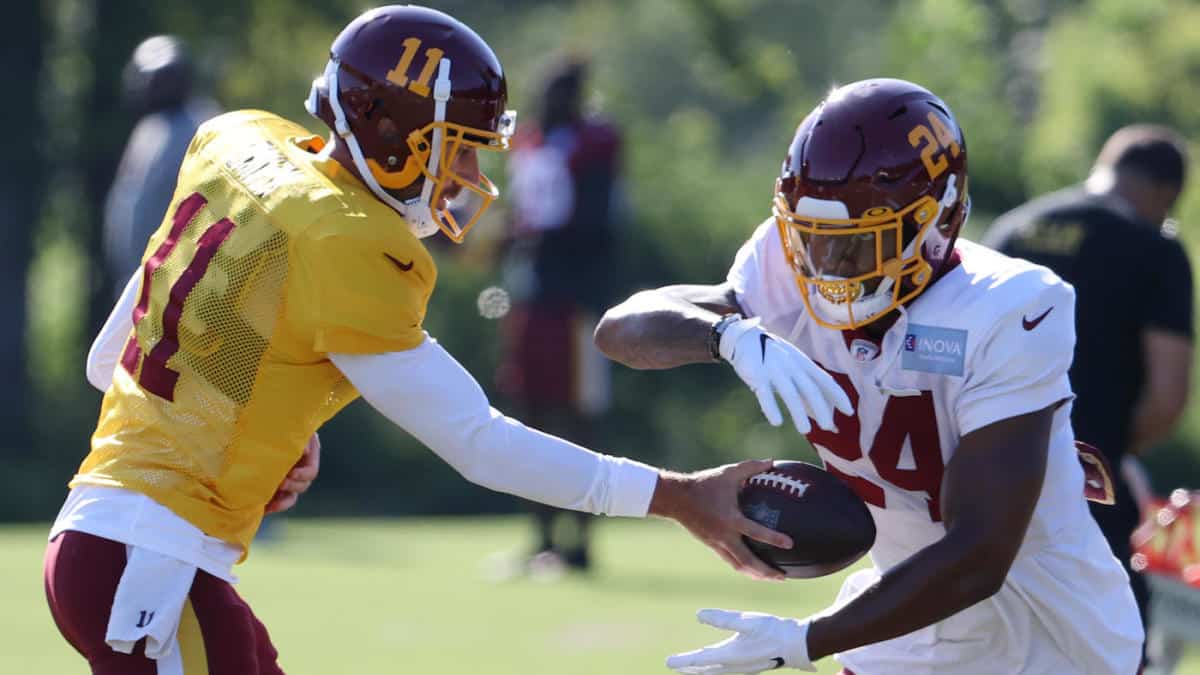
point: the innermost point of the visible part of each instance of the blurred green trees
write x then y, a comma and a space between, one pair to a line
707, 93
1110, 63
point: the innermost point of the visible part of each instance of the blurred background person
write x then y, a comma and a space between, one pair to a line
1111, 238
564, 175
158, 88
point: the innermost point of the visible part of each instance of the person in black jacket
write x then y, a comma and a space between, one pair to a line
1111, 238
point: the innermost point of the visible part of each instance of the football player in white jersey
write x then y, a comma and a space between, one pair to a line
954, 359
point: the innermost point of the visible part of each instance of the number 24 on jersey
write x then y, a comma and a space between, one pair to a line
911, 418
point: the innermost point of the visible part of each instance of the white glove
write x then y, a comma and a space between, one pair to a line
771, 366
763, 642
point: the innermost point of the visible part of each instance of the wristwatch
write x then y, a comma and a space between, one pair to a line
717, 330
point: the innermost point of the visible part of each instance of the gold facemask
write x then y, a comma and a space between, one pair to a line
471, 196
856, 270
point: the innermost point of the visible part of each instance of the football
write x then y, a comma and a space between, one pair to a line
830, 526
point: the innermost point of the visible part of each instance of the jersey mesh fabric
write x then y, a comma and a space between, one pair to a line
240, 314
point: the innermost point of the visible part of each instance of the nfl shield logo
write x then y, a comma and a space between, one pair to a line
910, 342
764, 515
863, 350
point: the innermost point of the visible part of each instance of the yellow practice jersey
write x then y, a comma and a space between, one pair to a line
268, 258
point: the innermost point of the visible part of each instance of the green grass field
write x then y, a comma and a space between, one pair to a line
392, 596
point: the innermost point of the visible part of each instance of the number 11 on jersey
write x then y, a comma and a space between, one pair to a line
156, 377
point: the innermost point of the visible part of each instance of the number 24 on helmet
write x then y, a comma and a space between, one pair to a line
870, 199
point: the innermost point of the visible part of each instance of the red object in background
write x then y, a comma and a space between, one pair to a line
1097, 474
1165, 542
540, 368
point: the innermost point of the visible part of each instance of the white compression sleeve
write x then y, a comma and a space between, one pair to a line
430, 395
106, 349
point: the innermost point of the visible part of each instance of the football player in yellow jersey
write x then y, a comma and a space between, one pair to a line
287, 278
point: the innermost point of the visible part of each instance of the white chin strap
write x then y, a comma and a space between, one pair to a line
873, 304
864, 308
417, 212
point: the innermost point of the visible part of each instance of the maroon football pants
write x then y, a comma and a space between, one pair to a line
218, 633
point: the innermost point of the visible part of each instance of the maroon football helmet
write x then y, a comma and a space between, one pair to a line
409, 89
871, 198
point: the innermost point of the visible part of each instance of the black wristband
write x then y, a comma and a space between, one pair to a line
715, 333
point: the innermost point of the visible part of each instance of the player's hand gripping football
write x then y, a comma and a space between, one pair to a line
773, 367
299, 478
706, 503
761, 642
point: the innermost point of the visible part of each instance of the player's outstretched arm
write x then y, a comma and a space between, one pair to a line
677, 325
705, 503
989, 492
665, 327
428, 394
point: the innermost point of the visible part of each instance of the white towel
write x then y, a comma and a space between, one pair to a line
149, 602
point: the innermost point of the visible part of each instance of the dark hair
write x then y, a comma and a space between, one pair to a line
1155, 152
562, 93
159, 75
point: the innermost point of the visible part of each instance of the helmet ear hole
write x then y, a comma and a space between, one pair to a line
956, 218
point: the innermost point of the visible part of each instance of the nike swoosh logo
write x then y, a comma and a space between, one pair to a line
1030, 324
776, 663
405, 266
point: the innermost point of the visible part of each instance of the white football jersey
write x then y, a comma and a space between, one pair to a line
991, 339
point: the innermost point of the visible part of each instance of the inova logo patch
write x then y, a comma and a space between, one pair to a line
933, 349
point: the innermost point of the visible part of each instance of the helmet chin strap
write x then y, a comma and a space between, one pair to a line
863, 308
417, 212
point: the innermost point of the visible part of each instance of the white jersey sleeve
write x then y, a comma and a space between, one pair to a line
1021, 365
430, 395
106, 348
762, 279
